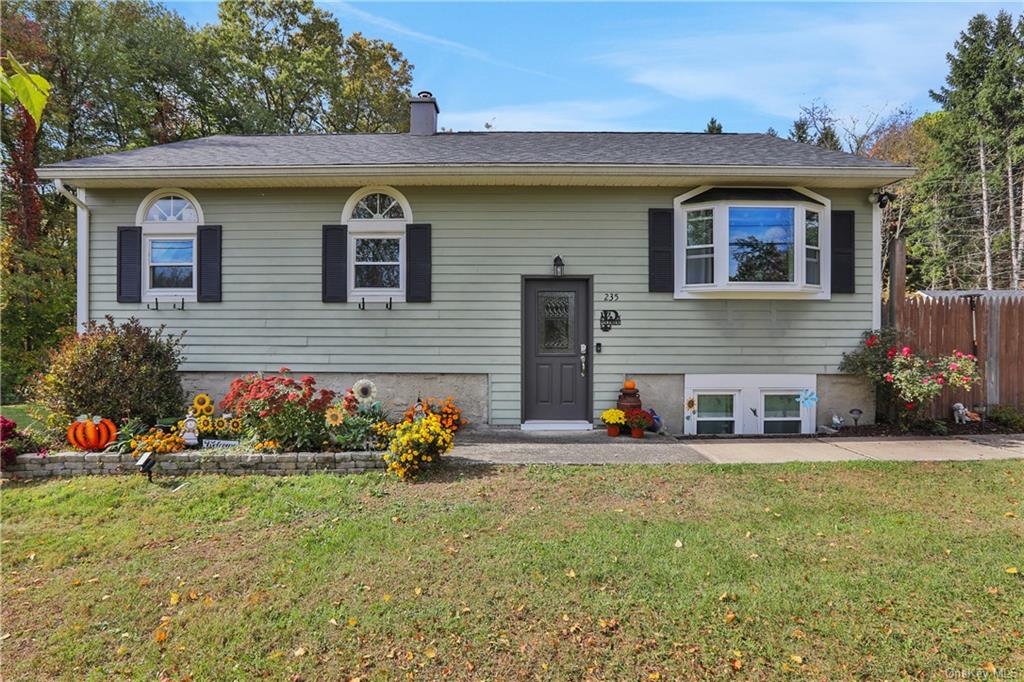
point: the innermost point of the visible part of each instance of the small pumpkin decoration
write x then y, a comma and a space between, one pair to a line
629, 384
91, 433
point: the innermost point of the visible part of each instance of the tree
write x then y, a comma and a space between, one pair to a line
801, 131
285, 67
713, 126
829, 139
772, 132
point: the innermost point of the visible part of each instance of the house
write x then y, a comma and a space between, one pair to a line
525, 273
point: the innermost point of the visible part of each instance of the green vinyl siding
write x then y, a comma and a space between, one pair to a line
484, 240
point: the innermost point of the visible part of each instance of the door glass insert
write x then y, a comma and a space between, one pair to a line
555, 310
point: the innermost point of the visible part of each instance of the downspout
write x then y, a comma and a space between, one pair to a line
82, 246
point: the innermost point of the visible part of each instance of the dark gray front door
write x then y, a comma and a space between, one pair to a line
556, 349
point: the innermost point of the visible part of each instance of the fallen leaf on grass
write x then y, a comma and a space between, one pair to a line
175, 598
797, 659
736, 664
333, 621
1010, 515
989, 667
159, 635
679, 543
570, 573
730, 616
1012, 570
300, 652
430, 653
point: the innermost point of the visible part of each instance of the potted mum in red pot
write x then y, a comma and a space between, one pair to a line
638, 421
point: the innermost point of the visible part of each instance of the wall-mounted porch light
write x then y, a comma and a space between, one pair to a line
558, 266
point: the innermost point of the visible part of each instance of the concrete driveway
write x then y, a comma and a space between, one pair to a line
595, 448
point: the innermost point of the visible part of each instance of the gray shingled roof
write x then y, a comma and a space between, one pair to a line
683, 149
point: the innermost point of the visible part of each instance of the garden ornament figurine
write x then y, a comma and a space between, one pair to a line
190, 430
837, 421
961, 415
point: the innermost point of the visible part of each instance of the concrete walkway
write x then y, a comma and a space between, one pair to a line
598, 449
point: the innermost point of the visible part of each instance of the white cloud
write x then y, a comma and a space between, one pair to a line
444, 43
611, 114
885, 56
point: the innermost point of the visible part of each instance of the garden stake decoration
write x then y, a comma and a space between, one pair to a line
91, 433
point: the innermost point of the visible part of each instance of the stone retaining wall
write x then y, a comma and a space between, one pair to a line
66, 464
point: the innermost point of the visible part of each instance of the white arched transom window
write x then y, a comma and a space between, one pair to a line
169, 220
376, 218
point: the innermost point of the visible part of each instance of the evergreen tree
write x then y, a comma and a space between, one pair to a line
772, 132
713, 126
829, 139
801, 131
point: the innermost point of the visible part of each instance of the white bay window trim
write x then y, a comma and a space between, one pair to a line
721, 286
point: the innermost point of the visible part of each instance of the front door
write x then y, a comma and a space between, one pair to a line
556, 349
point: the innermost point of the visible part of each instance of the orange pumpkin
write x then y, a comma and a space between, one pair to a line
629, 384
91, 433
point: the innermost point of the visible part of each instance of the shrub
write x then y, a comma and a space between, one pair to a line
1008, 416
350, 431
14, 442
416, 442
116, 371
280, 409
873, 359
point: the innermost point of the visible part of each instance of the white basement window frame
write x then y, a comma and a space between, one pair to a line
750, 391
703, 256
376, 218
170, 218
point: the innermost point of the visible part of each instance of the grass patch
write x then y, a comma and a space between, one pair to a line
850, 570
18, 414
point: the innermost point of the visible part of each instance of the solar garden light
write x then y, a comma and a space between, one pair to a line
146, 464
856, 413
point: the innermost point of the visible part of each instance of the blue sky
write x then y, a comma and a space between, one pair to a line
660, 66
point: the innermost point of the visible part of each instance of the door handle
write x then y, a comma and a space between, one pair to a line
583, 359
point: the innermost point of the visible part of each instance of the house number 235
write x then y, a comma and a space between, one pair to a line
611, 297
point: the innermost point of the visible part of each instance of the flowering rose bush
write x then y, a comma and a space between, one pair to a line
280, 408
907, 381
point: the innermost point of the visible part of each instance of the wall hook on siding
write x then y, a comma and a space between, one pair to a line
153, 306
362, 304
180, 306
388, 305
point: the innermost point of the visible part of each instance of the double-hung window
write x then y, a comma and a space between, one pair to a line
376, 219
752, 242
169, 220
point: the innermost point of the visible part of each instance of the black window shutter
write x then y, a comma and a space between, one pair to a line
417, 263
334, 276
843, 253
208, 240
129, 264
660, 238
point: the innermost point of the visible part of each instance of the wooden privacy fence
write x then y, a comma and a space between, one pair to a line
940, 326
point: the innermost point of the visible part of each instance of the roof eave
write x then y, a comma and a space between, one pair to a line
137, 176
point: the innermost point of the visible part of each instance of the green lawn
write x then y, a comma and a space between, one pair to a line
18, 414
858, 570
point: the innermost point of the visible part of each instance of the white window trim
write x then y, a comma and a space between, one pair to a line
748, 406
168, 230
762, 412
376, 229
735, 409
722, 287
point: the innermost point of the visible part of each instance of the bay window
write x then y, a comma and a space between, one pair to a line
751, 242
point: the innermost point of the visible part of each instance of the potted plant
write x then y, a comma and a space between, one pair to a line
638, 421
613, 419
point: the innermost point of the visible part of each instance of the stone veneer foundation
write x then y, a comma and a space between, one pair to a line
67, 464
